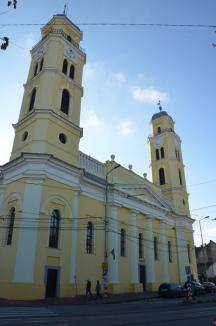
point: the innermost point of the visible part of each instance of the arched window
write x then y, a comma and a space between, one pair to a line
155, 248
169, 251
159, 130
54, 229
10, 227
65, 67
89, 238
69, 38
32, 100
35, 69
180, 177
157, 154
161, 176
140, 246
41, 64
72, 70
123, 242
189, 253
65, 101
162, 152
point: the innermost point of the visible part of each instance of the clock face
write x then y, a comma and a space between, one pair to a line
158, 141
71, 54
39, 52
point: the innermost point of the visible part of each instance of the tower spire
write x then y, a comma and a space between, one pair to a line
65, 9
159, 106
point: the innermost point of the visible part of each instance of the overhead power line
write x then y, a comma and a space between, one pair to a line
117, 24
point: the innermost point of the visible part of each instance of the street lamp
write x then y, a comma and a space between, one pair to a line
203, 244
105, 264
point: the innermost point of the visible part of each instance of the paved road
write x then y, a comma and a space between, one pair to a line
155, 313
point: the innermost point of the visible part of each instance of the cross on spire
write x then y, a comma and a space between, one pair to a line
65, 9
159, 105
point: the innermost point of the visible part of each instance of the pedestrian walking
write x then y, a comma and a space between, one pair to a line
98, 289
88, 287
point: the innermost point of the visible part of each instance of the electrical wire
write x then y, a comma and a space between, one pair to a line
115, 24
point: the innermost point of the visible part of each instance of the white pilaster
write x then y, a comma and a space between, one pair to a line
28, 232
74, 228
182, 252
150, 263
163, 250
134, 248
113, 271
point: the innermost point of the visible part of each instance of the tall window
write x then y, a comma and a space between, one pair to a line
35, 69
180, 177
162, 152
65, 67
89, 238
72, 71
10, 226
161, 176
140, 246
157, 154
65, 101
123, 242
54, 229
155, 248
169, 251
189, 253
41, 64
159, 130
32, 99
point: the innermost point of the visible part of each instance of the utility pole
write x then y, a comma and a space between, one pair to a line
204, 252
106, 223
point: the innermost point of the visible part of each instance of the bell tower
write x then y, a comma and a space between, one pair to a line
49, 120
166, 161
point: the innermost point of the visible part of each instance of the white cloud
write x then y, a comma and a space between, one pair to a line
148, 95
120, 77
90, 119
89, 71
126, 128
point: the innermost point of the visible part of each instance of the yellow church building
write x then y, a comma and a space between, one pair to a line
65, 217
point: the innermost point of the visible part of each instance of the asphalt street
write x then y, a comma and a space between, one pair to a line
157, 312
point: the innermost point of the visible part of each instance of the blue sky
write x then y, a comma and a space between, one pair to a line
128, 69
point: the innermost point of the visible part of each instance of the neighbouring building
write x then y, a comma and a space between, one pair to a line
206, 261
65, 217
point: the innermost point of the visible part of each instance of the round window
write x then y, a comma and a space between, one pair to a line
62, 138
24, 136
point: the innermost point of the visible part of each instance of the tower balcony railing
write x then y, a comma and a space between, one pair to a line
91, 165
166, 130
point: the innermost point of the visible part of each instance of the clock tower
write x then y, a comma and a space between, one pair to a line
49, 120
166, 162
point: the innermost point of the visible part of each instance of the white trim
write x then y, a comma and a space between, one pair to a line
27, 243
134, 248
73, 254
150, 263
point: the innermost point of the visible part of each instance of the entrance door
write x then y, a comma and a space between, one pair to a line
142, 276
51, 283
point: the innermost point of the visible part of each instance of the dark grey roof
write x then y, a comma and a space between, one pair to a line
160, 114
70, 22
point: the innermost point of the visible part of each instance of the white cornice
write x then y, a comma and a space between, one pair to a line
36, 112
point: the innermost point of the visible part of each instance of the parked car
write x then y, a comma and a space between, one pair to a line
196, 287
171, 290
209, 287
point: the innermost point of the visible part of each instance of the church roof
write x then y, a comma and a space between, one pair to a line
160, 114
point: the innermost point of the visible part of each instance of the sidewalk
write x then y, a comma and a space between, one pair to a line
82, 299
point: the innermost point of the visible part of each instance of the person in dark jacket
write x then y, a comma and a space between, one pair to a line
98, 290
88, 287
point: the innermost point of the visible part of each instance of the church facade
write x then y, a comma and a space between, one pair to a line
65, 217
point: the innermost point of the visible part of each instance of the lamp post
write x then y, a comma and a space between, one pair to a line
203, 244
106, 221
